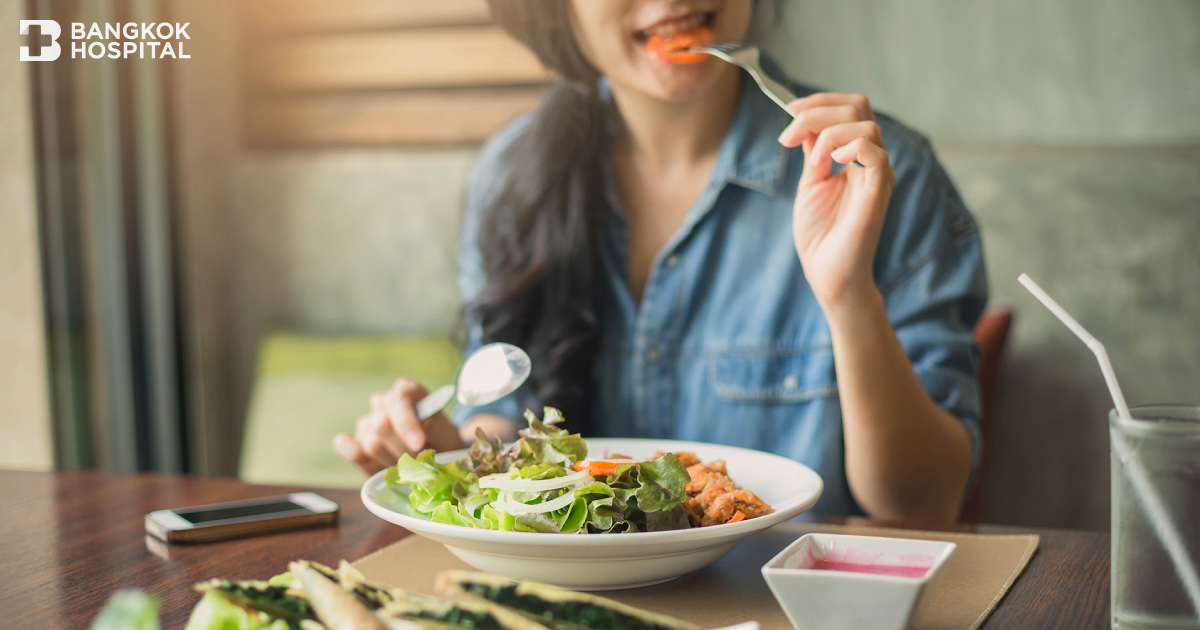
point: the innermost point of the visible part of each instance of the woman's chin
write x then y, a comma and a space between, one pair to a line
684, 82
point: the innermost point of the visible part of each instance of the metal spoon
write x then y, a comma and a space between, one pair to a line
492, 372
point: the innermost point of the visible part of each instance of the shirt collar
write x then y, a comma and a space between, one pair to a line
750, 155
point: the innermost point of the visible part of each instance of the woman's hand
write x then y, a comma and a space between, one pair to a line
391, 429
837, 219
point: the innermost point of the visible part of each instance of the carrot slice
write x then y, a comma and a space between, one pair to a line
596, 467
602, 466
674, 48
737, 516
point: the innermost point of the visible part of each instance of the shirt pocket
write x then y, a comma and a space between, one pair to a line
773, 375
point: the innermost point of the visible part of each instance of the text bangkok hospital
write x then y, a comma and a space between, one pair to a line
112, 40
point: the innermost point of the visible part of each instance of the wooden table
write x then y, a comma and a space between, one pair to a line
70, 539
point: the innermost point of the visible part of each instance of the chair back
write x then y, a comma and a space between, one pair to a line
991, 333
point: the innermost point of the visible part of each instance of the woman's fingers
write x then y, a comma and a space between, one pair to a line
832, 138
377, 451
349, 449
377, 438
827, 99
402, 413
809, 123
819, 164
378, 400
392, 429
863, 151
817, 112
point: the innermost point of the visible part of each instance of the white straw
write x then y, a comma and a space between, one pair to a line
1156, 512
1092, 343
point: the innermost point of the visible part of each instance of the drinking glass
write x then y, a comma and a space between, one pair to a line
1164, 440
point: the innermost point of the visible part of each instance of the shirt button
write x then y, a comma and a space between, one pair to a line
652, 355
673, 260
791, 382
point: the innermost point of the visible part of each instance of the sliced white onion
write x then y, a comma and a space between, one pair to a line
513, 507
503, 482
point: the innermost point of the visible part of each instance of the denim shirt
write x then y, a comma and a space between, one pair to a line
728, 343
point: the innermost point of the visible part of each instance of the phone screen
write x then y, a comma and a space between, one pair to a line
200, 517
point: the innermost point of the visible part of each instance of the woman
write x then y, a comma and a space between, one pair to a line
682, 259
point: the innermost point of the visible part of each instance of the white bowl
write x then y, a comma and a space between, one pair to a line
832, 599
609, 561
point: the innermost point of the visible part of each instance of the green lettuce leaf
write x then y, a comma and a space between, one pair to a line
491, 516
644, 496
667, 520
662, 484
451, 513
475, 503
573, 517
488, 455
458, 514
536, 523
602, 515
542, 471
432, 483
546, 443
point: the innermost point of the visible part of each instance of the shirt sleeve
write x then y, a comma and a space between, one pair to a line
483, 184
934, 283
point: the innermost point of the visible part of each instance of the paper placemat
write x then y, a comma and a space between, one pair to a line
732, 589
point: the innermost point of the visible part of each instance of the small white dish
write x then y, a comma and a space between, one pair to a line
611, 561
834, 581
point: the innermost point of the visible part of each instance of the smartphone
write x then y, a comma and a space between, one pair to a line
218, 521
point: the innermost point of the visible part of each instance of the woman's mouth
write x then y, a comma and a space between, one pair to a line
669, 27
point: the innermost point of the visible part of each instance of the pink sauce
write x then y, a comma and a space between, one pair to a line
863, 567
851, 560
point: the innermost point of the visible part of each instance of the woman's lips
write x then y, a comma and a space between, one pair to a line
671, 26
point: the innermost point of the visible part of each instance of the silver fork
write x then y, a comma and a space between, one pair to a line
745, 56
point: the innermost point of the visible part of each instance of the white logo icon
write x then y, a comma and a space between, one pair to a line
41, 50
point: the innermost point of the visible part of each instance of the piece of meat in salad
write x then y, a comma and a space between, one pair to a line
713, 498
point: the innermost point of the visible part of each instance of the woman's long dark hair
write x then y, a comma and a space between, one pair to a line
539, 236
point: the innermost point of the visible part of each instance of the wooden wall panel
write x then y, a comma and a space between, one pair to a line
402, 59
287, 16
380, 72
416, 117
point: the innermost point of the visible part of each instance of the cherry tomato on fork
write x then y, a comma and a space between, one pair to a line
674, 48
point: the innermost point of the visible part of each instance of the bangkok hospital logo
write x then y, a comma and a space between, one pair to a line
111, 40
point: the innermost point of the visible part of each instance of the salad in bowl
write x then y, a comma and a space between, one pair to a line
645, 511
545, 482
